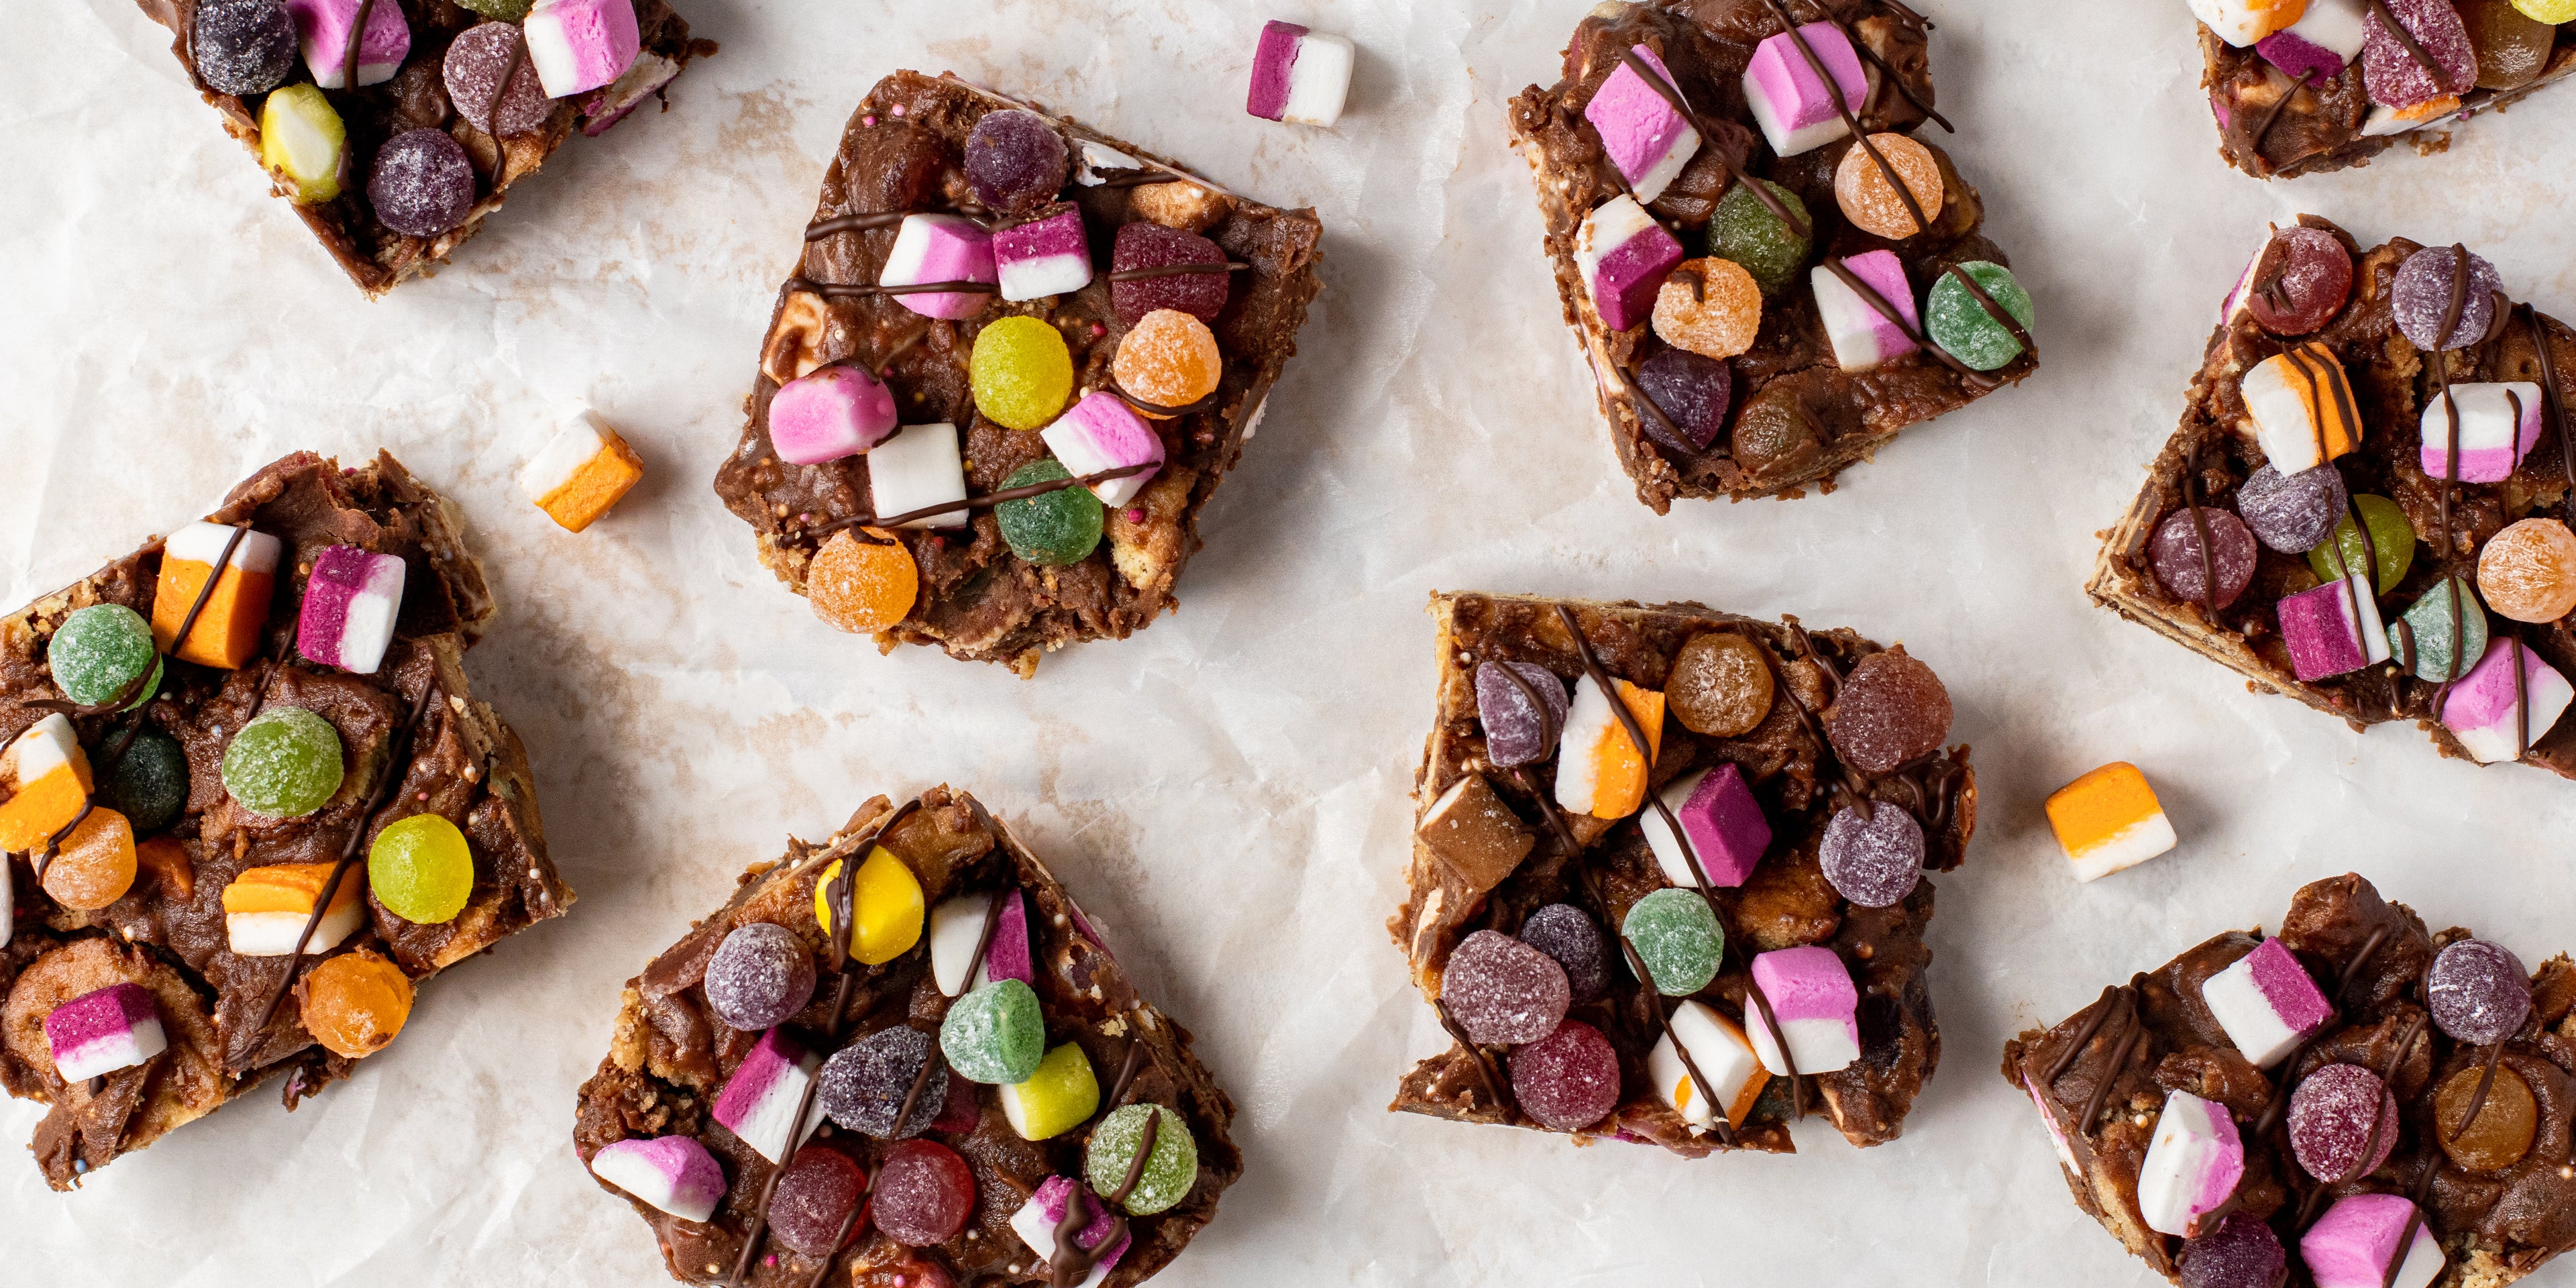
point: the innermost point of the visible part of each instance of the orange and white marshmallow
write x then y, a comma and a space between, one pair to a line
1726, 1061
228, 628
584, 471
2108, 820
44, 781
266, 908
2300, 401
1599, 770
2243, 22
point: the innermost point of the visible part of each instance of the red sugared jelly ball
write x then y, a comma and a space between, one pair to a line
1569, 1079
814, 1199
2300, 281
2176, 555
924, 1194
1143, 246
1892, 710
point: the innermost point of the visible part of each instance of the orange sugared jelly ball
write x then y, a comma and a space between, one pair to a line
862, 586
1871, 202
355, 1003
96, 864
1710, 307
1169, 359
2505, 1124
2528, 571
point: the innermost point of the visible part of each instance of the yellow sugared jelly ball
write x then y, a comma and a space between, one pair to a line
1711, 307
862, 584
2528, 571
421, 869
1871, 202
95, 866
2550, 11
1021, 373
1056, 1099
1169, 359
886, 907
355, 1003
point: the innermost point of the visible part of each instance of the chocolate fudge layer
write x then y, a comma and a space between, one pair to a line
167, 930
1795, 715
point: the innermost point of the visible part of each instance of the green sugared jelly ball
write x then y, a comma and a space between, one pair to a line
1744, 230
995, 1034
2392, 539
421, 869
1678, 938
284, 764
1051, 528
1169, 1172
99, 650
1962, 326
148, 784
2429, 621
1021, 372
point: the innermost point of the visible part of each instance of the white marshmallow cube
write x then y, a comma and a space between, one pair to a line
918, 467
116, 1027
2192, 1165
1724, 1057
1812, 996
2266, 1002
578, 45
673, 1173
1299, 76
2499, 425
760, 1101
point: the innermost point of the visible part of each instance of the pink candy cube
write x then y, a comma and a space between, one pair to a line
2192, 1165
2328, 35
1008, 957
116, 1027
1862, 336
760, 1101
1645, 136
673, 1173
350, 603
1299, 76
1812, 996
1102, 433
2323, 634
1793, 105
578, 45
941, 248
2499, 425
1046, 256
322, 29
2482, 710
1037, 1219
1725, 825
2266, 1002
1624, 255
830, 413
2352, 1244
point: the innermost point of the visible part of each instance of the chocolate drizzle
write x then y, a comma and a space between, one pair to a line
501, 91
851, 291
2272, 117
1191, 408
2126, 999
1717, 1115
2414, 48
2478, 1097
1072, 1262
349, 63
2554, 405
1021, 493
1842, 108
1779, 1040
1484, 1061
1645, 752
2450, 484
822, 228
2200, 534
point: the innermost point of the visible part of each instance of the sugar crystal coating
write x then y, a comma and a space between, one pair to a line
2299, 282
1693, 393
242, 47
1021, 372
1515, 732
814, 1199
1016, 161
149, 783
2513, 47
2478, 992
95, 864
1501, 990
1720, 686
924, 1193
1169, 359
2292, 513
421, 869
2175, 553
1892, 710
761, 974
2392, 543
2389, 71
862, 585
101, 649
1873, 862
1567, 933
422, 184
1142, 246
472, 70
2242, 1252
354, 1004
1678, 938
1744, 230
1872, 203
1567, 1080
864, 1083
1961, 325
2528, 571
995, 1034
284, 764
1710, 307
2331, 1117
2508, 1119
2428, 622
2421, 297
1170, 1170
1051, 528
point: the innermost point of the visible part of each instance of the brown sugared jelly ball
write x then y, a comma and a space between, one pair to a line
1892, 710
1720, 685
2502, 1131
1774, 436
355, 1003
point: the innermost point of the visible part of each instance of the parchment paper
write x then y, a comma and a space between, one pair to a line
1226, 792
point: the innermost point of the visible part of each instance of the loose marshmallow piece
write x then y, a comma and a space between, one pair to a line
1299, 76
958, 924
2193, 1164
2385, 120
2499, 425
829, 413
1103, 433
2266, 1002
1094, 160
1735, 1075
1724, 822
1793, 105
1862, 336
580, 44
581, 472
116, 1027
2242, 22
44, 781
642, 81
228, 628
1598, 769
265, 909
673, 1173
2352, 1244
1046, 256
2319, 629
2481, 711
350, 603
760, 1101
2322, 42
2298, 399
1647, 138
1037, 1219
1812, 996
1624, 255
322, 29
940, 248
918, 467
2109, 820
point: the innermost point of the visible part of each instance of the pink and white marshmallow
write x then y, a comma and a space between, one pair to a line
1102, 432
2352, 1245
2266, 1002
1049, 255
116, 1027
2325, 40
1299, 76
957, 925
578, 45
2333, 629
829, 413
2056, 1134
1793, 105
673, 1173
2193, 1163
940, 248
322, 29
1624, 255
622, 96
1725, 824
2481, 711
1647, 138
2499, 425
760, 1101
350, 602
1037, 1219
1862, 336
918, 467
1812, 996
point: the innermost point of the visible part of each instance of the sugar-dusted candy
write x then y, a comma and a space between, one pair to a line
1624, 255
1599, 769
1016, 161
1140, 246
2333, 629
2193, 1163
2484, 712
619, 99
103, 655
1691, 391
1048, 255
472, 71
2507, 1124
2355, 1242
1037, 1220
1515, 732
227, 630
1567, 1080
1567, 933
1892, 711
917, 468
2243, 22
931, 249
1501, 990
2391, 546
2528, 571
1101, 433
2242, 1252
499, 10
1051, 529
421, 183
2335, 1113
1710, 307
1864, 338
1170, 1170
1299, 76
957, 926
923, 1194
2325, 39
242, 47
2389, 72
582, 471
862, 582
1812, 996
2478, 992
1958, 323
1794, 106
828, 413
865, 1083
2550, 11
1060, 1095
2421, 296
1646, 137
580, 45
1169, 359
266, 908
2430, 623
885, 905
2513, 48
350, 602
1476, 833
814, 1207
285, 763
95, 864
2297, 283
303, 143
422, 870
2184, 566
356, 1003
99, 1032
2298, 399
2292, 513
1677, 936
1723, 1055
1742, 228
2266, 1002
149, 783
44, 781
1021, 372
673, 1174
761, 974
322, 28
1873, 861
1725, 824
760, 1101
995, 1034
1874, 205
1720, 685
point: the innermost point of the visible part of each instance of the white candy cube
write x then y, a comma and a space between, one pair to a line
1647, 139
2266, 1002
2192, 1164
1862, 336
1043, 257
2499, 425
1735, 1075
760, 1102
116, 1027
941, 248
1103, 433
1812, 996
673, 1173
578, 45
918, 467
1299, 76
1794, 106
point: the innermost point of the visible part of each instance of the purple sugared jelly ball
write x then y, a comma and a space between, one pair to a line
1502, 990
814, 1199
1517, 733
1692, 390
864, 1084
2300, 281
423, 185
1874, 861
761, 974
924, 1194
1566, 933
1892, 710
1143, 246
473, 70
2241, 1253
2330, 1122
1569, 1079
2478, 992
2176, 554
243, 46
2292, 513
2421, 298
1016, 161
